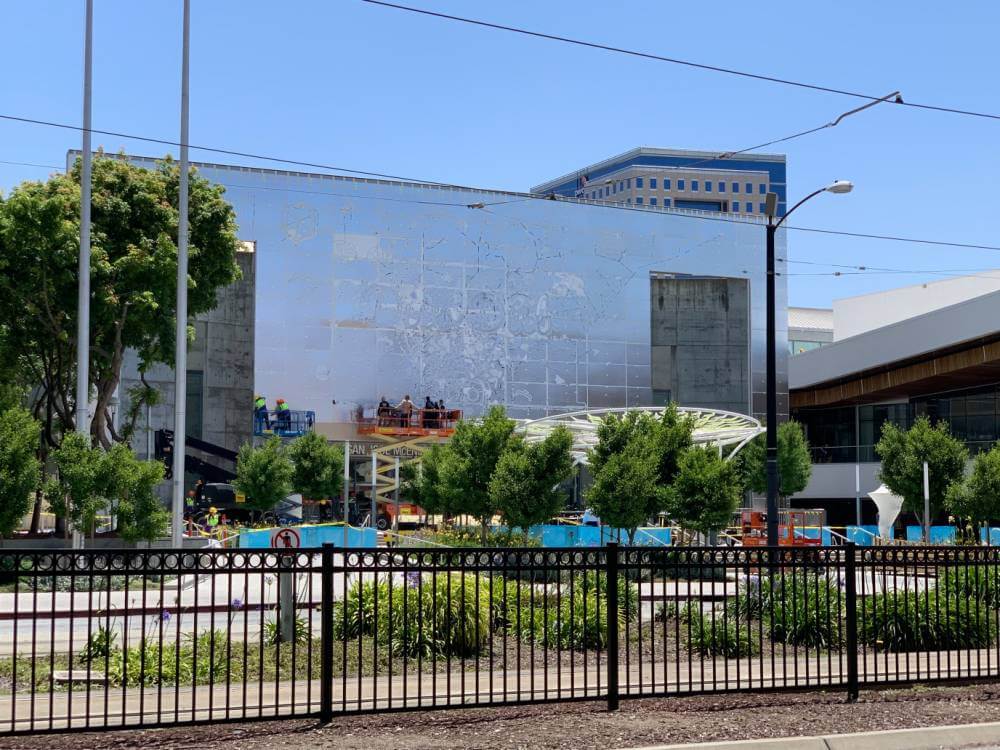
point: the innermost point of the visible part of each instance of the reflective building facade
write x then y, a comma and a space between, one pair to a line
367, 288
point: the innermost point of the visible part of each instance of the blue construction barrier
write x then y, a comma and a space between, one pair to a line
815, 532
994, 540
939, 534
857, 534
555, 535
314, 536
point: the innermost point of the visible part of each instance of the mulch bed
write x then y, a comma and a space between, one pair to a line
583, 726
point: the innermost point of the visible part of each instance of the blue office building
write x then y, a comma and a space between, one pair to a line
673, 178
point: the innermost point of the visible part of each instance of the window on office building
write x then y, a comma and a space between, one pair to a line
762, 189
638, 182
637, 200
628, 183
708, 186
722, 187
680, 184
666, 203
762, 208
736, 207
694, 186
749, 187
652, 201
666, 184
621, 184
736, 187
652, 183
748, 208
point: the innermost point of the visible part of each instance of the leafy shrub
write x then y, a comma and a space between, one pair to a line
455, 536
978, 583
99, 644
923, 621
713, 635
271, 632
197, 660
441, 616
804, 608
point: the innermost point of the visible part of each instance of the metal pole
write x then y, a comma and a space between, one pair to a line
927, 505
371, 517
772, 396
395, 521
857, 493
180, 355
347, 487
83, 281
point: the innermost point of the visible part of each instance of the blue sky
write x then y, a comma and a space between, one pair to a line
346, 83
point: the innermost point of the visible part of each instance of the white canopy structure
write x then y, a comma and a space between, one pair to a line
888, 505
711, 427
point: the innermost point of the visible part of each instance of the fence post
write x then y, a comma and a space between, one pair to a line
326, 637
851, 591
611, 571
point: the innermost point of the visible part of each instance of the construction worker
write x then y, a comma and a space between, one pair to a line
260, 413
405, 409
283, 416
212, 520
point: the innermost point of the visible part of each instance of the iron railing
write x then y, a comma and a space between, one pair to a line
99, 639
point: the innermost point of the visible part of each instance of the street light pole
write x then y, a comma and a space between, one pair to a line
839, 187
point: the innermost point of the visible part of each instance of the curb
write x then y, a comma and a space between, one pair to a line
923, 738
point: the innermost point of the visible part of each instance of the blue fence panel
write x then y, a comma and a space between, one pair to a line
994, 540
939, 534
555, 535
314, 536
857, 534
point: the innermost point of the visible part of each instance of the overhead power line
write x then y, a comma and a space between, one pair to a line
672, 60
515, 196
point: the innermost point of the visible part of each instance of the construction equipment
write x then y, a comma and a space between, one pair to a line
796, 528
404, 439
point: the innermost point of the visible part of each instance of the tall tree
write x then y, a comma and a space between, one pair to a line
19, 466
264, 474
76, 493
422, 483
318, 467
626, 488
903, 453
706, 492
133, 278
794, 461
977, 497
525, 483
472, 457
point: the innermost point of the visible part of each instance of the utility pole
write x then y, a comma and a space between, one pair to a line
180, 355
83, 282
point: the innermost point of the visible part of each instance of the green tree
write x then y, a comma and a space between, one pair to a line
318, 467
264, 474
133, 279
77, 492
129, 489
525, 484
19, 466
626, 488
421, 482
471, 459
794, 461
903, 453
977, 497
706, 492
623, 442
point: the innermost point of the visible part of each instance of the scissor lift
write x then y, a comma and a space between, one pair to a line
418, 432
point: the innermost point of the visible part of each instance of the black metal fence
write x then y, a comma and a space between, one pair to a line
97, 639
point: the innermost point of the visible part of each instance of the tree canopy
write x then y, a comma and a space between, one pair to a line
264, 474
19, 466
903, 453
977, 497
706, 492
794, 461
525, 484
129, 486
133, 279
318, 467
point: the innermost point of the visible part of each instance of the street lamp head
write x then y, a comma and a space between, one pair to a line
840, 186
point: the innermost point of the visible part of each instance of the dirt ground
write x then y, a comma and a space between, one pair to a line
582, 726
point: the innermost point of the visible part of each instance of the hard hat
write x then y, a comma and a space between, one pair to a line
281, 400
212, 509
258, 396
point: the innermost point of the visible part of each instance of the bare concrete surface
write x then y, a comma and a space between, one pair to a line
583, 725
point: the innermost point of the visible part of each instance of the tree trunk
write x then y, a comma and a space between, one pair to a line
483, 530
36, 512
